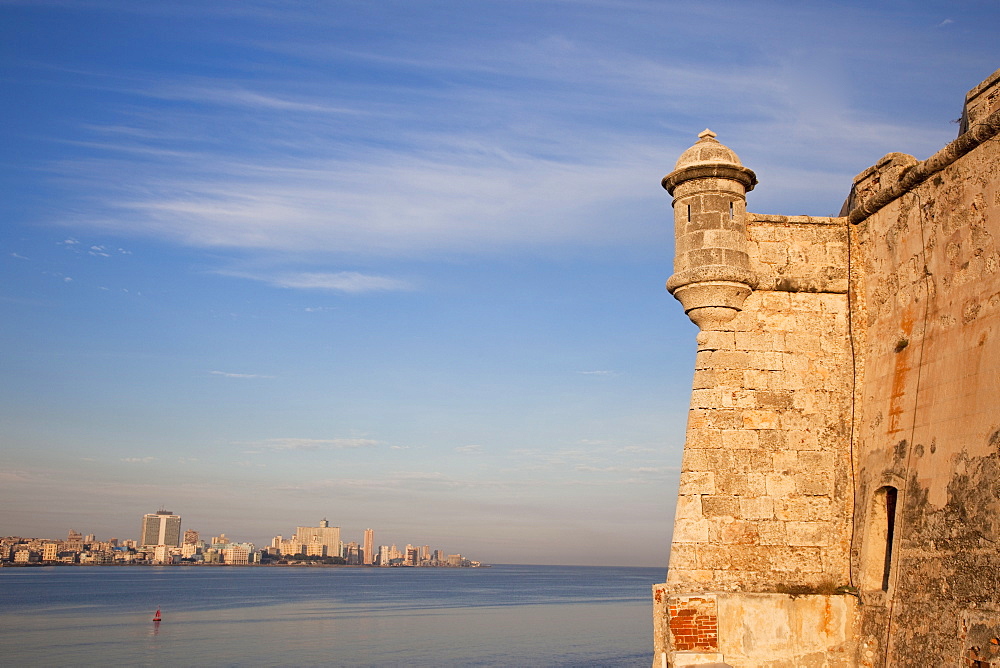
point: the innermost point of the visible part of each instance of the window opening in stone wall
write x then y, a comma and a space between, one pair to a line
730, 211
890, 529
689, 213
877, 563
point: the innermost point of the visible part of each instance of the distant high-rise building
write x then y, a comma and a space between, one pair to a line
161, 528
191, 537
383, 557
369, 547
314, 537
240, 554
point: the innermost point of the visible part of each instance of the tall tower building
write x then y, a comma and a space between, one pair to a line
323, 538
161, 528
369, 547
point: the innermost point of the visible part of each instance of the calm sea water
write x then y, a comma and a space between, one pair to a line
500, 616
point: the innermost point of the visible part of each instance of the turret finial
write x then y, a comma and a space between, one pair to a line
706, 134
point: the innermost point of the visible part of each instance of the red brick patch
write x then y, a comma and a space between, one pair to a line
694, 625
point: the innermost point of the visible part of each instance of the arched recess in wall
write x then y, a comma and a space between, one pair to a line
876, 562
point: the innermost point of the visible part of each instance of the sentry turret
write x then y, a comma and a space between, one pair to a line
712, 276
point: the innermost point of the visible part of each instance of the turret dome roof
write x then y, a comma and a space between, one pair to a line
707, 150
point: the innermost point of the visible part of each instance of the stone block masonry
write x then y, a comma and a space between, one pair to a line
843, 439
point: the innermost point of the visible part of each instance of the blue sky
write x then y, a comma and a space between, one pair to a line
401, 264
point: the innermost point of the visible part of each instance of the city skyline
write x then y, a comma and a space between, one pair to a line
402, 263
164, 524
161, 532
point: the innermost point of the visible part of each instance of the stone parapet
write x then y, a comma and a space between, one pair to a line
980, 102
741, 630
897, 174
798, 253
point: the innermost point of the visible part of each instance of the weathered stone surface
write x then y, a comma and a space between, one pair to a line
926, 423
751, 630
843, 432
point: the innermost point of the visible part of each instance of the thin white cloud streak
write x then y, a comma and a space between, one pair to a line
350, 282
232, 95
636, 450
17, 476
229, 374
394, 482
312, 444
651, 470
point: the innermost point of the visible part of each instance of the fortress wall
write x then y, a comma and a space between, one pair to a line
840, 489
764, 484
927, 287
765, 492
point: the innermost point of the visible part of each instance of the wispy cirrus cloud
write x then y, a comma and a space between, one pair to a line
636, 450
397, 481
412, 200
537, 141
650, 470
139, 460
229, 374
351, 282
13, 476
230, 94
311, 444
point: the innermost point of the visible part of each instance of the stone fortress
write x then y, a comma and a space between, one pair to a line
839, 497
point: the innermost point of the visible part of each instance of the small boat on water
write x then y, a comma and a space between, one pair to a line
156, 617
